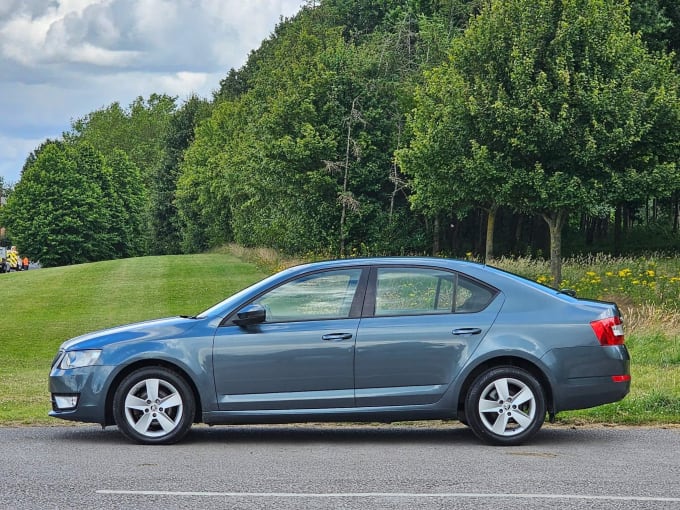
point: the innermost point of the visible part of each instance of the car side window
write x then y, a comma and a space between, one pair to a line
472, 296
325, 295
413, 291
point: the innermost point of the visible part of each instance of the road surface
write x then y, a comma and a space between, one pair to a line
340, 466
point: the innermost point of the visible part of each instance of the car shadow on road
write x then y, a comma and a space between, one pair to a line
411, 433
334, 433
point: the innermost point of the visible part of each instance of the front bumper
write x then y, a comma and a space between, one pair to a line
88, 385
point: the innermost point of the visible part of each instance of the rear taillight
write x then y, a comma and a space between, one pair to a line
609, 331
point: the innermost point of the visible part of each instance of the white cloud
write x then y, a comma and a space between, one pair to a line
62, 59
151, 34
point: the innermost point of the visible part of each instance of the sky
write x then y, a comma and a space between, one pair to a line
62, 59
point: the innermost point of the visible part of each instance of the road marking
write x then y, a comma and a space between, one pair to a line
407, 495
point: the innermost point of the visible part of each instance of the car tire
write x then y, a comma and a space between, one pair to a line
505, 406
154, 405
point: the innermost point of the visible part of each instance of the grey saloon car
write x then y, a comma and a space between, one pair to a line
381, 339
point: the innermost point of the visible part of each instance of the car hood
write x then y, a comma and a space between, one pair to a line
148, 330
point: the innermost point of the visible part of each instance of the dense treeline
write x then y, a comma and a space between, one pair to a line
388, 127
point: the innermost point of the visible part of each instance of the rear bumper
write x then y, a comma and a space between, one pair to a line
589, 376
590, 392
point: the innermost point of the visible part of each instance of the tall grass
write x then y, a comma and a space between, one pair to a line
653, 280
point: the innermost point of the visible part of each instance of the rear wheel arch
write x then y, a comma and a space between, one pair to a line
500, 361
198, 411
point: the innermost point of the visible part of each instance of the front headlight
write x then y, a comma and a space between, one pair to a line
77, 359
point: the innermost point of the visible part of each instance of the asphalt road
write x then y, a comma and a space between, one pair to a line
343, 467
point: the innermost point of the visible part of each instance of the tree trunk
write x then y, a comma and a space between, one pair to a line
490, 224
354, 115
556, 221
618, 228
627, 220
518, 233
343, 213
435, 236
454, 233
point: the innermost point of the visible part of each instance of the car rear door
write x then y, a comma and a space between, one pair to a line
419, 327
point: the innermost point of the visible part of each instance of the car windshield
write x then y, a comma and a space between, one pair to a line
224, 304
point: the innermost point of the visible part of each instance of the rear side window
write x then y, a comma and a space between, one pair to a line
413, 291
472, 296
423, 291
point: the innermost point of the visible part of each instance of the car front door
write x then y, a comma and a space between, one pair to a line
420, 326
302, 356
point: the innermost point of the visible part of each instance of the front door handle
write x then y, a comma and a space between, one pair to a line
336, 336
466, 331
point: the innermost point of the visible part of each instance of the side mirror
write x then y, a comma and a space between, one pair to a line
251, 314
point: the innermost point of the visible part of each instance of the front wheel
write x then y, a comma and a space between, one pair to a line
505, 406
154, 405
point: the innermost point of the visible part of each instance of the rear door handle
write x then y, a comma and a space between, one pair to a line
336, 336
466, 331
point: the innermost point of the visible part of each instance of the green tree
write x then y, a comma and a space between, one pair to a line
449, 168
140, 131
255, 170
658, 21
165, 223
127, 208
201, 197
548, 96
298, 152
4, 193
59, 213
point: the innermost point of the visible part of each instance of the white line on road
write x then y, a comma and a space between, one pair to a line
407, 495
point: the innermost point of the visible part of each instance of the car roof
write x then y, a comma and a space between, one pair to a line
385, 261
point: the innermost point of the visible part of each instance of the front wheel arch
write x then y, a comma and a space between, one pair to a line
154, 405
151, 363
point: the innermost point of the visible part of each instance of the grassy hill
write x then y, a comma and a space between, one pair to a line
42, 308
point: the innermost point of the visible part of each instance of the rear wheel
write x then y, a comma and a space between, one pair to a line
154, 405
505, 406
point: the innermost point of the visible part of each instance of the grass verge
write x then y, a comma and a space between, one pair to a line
43, 308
